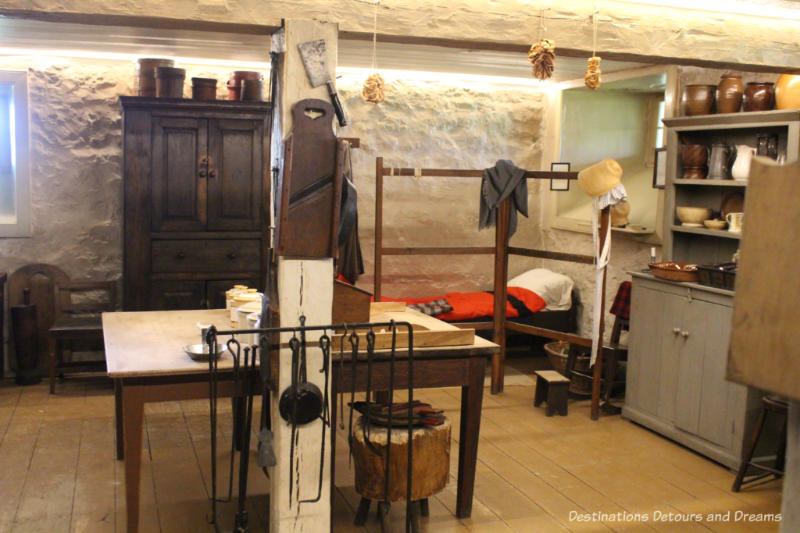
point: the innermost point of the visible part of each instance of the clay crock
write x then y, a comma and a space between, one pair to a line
787, 92
235, 82
693, 159
759, 96
729, 93
698, 99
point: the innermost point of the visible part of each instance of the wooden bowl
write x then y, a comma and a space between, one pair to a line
675, 271
715, 223
693, 215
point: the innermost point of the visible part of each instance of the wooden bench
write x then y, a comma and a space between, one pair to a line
553, 388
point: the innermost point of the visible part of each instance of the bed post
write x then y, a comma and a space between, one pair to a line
598, 363
500, 280
378, 227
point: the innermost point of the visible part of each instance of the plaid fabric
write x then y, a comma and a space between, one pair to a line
436, 307
622, 301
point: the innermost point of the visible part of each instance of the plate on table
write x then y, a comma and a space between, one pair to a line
733, 202
200, 352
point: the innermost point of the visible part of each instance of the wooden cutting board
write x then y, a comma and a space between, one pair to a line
311, 188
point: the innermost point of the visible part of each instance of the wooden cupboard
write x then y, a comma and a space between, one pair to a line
677, 359
196, 196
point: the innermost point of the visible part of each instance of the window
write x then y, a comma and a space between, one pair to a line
14, 171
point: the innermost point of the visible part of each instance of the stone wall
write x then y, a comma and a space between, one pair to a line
624, 27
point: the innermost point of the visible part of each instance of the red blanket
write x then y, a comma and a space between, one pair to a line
469, 305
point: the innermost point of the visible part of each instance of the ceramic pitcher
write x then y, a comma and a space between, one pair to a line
741, 165
719, 162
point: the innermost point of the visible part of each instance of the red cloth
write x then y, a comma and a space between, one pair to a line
468, 305
622, 301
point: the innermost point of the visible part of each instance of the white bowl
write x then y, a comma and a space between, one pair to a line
693, 215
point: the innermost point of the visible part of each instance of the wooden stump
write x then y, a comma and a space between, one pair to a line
430, 465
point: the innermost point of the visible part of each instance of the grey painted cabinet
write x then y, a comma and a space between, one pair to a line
677, 357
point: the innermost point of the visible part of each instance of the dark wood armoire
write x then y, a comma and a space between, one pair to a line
196, 197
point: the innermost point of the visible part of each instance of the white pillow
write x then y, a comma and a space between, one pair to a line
554, 288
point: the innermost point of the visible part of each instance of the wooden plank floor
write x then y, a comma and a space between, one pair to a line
58, 472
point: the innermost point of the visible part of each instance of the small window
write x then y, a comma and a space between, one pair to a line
14, 171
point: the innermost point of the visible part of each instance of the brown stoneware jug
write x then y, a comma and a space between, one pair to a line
787, 92
693, 159
698, 99
729, 93
759, 96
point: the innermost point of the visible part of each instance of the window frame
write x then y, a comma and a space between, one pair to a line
22, 192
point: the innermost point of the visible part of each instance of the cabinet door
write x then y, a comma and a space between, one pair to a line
691, 354
717, 393
170, 295
235, 174
671, 347
644, 349
179, 185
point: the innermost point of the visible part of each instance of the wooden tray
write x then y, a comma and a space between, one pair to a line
675, 271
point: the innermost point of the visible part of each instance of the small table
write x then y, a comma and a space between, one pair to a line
146, 362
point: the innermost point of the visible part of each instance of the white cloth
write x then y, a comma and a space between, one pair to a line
613, 197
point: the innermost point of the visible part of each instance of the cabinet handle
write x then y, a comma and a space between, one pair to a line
212, 173
684, 334
232, 256
675, 331
202, 173
180, 255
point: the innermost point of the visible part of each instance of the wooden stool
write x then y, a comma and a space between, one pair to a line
554, 388
769, 404
430, 469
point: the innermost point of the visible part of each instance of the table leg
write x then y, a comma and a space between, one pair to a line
52, 360
132, 419
471, 402
118, 418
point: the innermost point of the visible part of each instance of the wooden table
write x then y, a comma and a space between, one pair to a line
145, 359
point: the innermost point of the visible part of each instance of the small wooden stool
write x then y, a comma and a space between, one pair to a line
769, 404
554, 388
430, 469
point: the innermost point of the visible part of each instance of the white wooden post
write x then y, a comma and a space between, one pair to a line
305, 287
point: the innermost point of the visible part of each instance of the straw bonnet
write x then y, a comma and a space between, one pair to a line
600, 178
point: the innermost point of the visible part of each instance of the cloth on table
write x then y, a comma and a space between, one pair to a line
622, 301
504, 179
469, 305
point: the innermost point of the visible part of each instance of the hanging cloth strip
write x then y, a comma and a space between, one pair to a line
504, 179
613, 197
350, 263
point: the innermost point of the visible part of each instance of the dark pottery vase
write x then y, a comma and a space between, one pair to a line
729, 93
693, 159
698, 99
759, 96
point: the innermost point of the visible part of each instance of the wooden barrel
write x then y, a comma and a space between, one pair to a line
204, 89
169, 82
430, 465
235, 82
145, 80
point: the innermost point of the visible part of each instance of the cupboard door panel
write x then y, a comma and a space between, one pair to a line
643, 349
177, 294
671, 343
694, 335
179, 188
235, 174
715, 425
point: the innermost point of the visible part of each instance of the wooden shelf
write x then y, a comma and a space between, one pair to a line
715, 183
707, 232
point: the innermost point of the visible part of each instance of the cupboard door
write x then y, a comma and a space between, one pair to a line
179, 183
671, 346
694, 335
235, 174
644, 354
169, 295
715, 421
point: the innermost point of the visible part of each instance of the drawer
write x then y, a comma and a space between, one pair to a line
212, 255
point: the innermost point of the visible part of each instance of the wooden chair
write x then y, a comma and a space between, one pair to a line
776, 406
78, 320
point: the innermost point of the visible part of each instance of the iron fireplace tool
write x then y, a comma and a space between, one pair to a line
341, 379
266, 451
325, 347
246, 389
353, 364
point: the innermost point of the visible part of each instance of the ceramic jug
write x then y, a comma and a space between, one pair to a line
741, 165
719, 162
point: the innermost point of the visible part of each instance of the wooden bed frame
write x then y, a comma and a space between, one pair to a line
501, 250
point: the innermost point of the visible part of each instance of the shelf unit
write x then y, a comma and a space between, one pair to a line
702, 245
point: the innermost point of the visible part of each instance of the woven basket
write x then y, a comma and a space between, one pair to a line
557, 353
